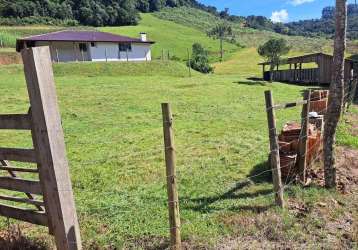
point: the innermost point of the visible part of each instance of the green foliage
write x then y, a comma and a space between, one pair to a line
273, 50
85, 12
222, 31
199, 59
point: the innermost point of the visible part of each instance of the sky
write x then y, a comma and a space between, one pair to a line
277, 10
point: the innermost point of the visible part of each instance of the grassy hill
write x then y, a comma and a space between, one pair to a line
113, 69
245, 36
171, 36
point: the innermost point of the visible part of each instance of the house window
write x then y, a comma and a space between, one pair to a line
83, 47
93, 44
125, 47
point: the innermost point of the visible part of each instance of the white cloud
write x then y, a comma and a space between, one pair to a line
280, 16
299, 2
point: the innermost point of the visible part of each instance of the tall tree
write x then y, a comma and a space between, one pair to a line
335, 100
272, 51
222, 31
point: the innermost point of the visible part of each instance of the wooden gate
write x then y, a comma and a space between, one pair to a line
51, 196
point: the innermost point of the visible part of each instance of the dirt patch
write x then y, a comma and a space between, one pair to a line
347, 170
7, 58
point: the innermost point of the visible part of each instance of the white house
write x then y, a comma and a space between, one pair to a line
69, 46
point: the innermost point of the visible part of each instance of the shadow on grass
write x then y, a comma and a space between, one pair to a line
260, 174
252, 83
13, 239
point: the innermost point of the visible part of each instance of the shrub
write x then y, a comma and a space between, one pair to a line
200, 60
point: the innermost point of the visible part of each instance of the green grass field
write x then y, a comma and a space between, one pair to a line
113, 130
112, 121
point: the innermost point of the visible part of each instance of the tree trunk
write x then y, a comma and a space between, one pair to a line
221, 50
335, 100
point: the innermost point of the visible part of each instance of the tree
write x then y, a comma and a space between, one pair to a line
273, 50
335, 99
222, 31
200, 60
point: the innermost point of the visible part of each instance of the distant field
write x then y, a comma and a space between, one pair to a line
113, 129
172, 37
245, 36
9, 34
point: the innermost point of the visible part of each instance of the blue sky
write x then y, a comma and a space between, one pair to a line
279, 10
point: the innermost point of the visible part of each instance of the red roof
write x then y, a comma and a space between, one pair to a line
81, 36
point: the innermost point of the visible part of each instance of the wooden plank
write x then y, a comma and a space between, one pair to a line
289, 104
24, 170
22, 200
16, 154
20, 122
34, 217
20, 185
6, 164
173, 200
274, 150
50, 148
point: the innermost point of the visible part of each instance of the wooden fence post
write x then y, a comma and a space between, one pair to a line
173, 200
303, 147
274, 150
189, 63
50, 149
57, 56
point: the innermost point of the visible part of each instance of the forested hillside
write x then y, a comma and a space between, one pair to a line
325, 25
85, 12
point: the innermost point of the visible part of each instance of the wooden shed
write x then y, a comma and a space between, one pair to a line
318, 71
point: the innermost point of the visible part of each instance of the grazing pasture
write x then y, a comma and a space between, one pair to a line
113, 130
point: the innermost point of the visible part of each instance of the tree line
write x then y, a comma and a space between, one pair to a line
85, 12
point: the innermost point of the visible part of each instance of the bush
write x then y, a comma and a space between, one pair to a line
200, 60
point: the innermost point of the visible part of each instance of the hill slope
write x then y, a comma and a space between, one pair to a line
171, 36
248, 37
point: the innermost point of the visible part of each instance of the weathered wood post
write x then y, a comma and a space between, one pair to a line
189, 63
173, 199
50, 150
274, 150
57, 56
303, 147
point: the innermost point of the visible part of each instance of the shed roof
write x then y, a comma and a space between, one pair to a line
80, 36
304, 59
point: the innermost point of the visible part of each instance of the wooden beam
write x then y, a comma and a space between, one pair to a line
20, 185
15, 154
20, 122
34, 217
24, 170
48, 138
22, 200
289, 104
